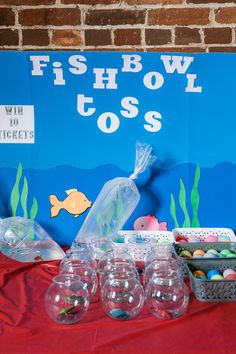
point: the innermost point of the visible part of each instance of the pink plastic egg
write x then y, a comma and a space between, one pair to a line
228, 272
211, 238
231, 277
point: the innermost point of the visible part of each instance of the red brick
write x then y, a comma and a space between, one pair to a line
157, 36
185, 35
223, 49
179, 16
218, 35
89, 2
27, 2
62, 49
97, 37
117, 49
176, 49
226, 15
9, 37
37, 37
7, 17
114, 17
127, 37
53, 16
66, 37
153, 2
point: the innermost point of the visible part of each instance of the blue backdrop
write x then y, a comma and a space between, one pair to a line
89, 109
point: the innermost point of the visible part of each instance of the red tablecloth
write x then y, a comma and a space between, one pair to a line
26, 328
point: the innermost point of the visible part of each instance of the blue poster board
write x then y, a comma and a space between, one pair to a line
69, 121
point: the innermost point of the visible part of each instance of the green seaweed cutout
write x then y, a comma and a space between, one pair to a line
34, 209
99, 222
15, 195
173, 210
109, 216
115, 209
195, 199
23, 199
182, 203
120, 207
108, 229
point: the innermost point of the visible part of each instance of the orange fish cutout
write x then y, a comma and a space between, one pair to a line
75, 203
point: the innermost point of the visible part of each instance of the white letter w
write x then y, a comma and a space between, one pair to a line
176, 63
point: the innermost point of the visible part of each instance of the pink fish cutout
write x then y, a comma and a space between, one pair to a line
149, 222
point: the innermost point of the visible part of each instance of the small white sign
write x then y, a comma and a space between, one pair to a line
16, 124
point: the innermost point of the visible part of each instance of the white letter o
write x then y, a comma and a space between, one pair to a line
102, 122
158, 82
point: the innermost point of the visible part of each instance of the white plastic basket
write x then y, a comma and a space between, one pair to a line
202, 233
139, 250
159, 236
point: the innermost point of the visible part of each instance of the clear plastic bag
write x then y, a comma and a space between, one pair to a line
116, 201
26, 241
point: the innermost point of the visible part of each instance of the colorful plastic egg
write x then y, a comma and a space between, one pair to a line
212, 272
231, 277
186, 254
181, 239
199, 273
217, 277
203, 277
209, 255
228, 271
194, 238
224, 238
211, 238
200, 252
197, 255
225, 252
212, 251
231, 255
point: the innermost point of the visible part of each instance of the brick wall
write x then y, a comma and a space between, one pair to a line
128, 25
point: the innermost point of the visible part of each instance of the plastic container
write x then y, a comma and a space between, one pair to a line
205, 246
202, 233
116, 201
139, 252
26, 241
212, 290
